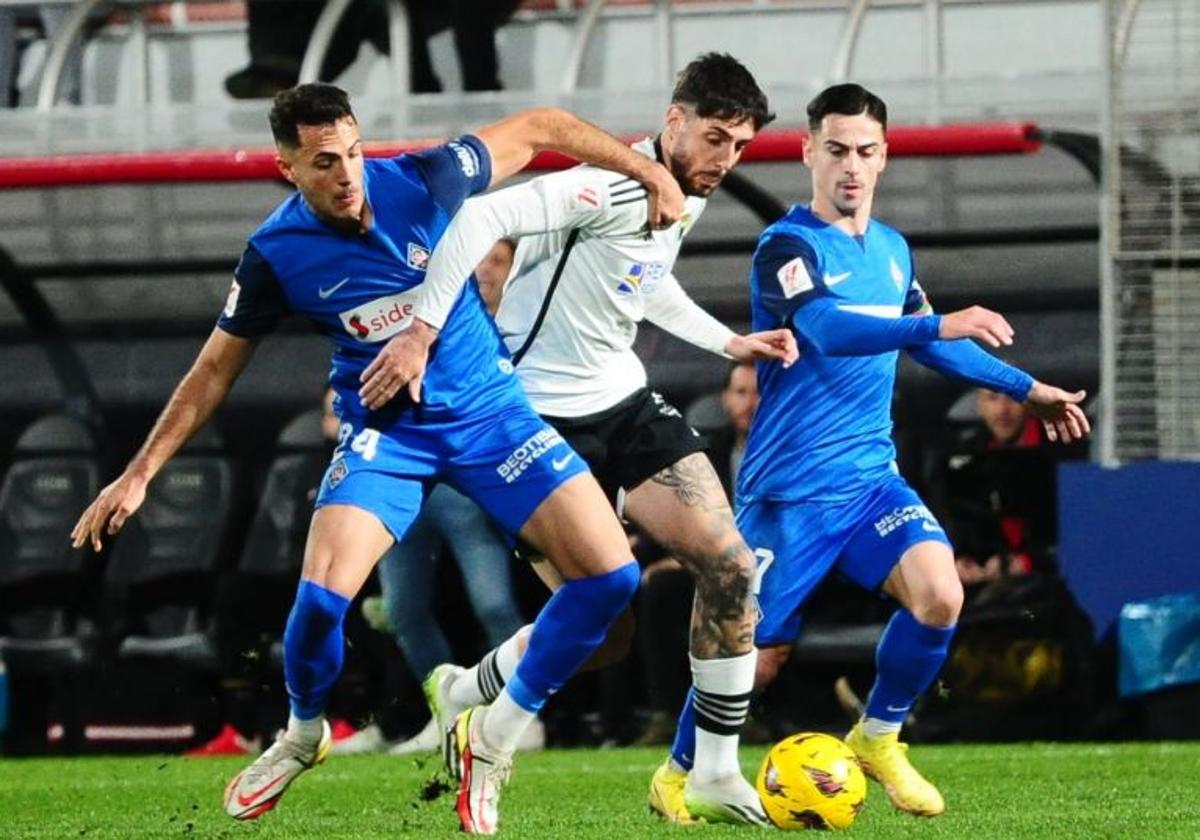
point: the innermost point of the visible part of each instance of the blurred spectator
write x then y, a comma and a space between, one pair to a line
279, 32
996, 490
667, 590
52, 16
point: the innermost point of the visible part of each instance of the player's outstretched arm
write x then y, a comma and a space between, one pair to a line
1059, 412
671, 308
514, 141
197, 395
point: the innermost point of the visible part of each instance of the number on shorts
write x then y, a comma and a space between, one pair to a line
365, 443
765, 558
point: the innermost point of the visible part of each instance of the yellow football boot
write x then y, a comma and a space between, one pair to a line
885, 760
666, 794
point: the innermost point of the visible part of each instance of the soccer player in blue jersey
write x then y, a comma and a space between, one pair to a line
348, 250
818, 489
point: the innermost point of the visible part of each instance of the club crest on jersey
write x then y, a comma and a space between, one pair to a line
418, 256
793, 278
897, 274
380, 319
231, 301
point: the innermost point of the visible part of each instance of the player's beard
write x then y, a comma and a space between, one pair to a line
687, 183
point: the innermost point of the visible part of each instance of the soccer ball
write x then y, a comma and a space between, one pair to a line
811, 780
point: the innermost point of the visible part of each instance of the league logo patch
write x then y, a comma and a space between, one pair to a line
897, 274
793, 278
337, 473
418, 256
632, 280
232, 300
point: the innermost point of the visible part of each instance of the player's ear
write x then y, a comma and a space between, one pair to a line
676, 117
806, 147
883, 156
285, 168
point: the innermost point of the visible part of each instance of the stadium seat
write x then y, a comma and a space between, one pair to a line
275, 545
163, 562
54, 474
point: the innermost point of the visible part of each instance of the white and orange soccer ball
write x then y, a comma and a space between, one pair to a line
811, 780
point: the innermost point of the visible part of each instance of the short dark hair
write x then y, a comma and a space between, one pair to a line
718, 85
849, 99
315, 103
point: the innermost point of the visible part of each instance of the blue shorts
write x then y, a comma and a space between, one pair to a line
798, 543
503, 456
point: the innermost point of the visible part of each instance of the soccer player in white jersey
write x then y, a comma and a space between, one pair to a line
586, 271
818, 488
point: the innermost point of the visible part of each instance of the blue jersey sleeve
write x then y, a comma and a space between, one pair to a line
256, 302
916, 302
964, 359
785, 267
455, 171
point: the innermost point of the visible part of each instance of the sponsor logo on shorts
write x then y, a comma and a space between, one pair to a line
900, 516
337, 473
380, 319
533, 448
664, 407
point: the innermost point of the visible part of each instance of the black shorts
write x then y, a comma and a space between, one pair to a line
630, 442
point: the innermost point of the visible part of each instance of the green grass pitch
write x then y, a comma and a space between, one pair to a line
1143, 791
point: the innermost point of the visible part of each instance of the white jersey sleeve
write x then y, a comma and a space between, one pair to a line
669, 306
575, 198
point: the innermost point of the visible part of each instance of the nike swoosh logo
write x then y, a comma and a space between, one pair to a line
560, 464
324, 293
834, 279
929, 527
897, 709
253, 797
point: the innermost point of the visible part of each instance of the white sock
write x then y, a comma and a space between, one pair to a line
483, 682
722, 695
876, 728
306, 731
504, 723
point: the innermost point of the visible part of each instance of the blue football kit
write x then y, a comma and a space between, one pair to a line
474, 427
818, 487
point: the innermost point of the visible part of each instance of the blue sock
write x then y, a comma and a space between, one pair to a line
909, 656
683, 750
567, 630
313, 647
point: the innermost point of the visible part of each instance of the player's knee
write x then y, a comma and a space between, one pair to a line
940, 604
770, 662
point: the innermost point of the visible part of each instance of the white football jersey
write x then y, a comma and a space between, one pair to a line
616, 273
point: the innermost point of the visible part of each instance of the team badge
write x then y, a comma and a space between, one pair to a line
418, 256
337, 473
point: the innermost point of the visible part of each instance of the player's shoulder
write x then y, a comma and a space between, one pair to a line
796, 231
289, 216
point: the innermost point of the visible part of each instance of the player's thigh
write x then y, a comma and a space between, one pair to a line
344, 543
522, 472
576, 530
900, 547
794, 551
684, 509
369, 497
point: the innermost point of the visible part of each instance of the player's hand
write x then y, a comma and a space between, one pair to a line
664, 197
116, 503
401, 362
770, 345
1059, 412
977, 322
